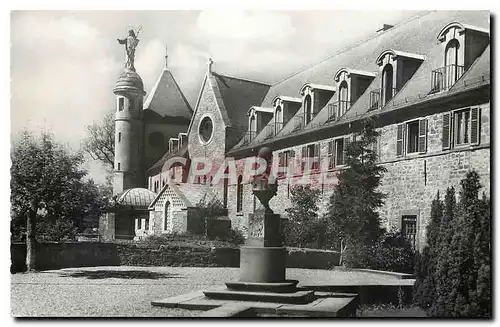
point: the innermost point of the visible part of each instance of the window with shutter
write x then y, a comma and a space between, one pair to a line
475, 126
399, 140
446, 131
347, 143
422, 136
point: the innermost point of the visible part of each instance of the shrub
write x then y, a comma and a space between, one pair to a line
391, 253
302, 228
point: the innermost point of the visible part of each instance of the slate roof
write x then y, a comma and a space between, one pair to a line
182, 152
189, 193
417, 35
237, 95
135, 198
167, 99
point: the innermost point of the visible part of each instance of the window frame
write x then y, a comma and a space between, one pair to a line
405, 137
239, 194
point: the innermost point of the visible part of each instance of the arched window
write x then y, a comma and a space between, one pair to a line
343, 98
205, 180
387, 83
451, 63
167, 215
308, 109
239, 194
211, 180
278, 120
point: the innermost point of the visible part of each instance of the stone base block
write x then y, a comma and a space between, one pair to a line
288, 286
299, 297
262, 264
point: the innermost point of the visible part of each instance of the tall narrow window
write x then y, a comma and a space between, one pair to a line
462, 127
278, 120
119, 167
121, 104
412, 130
451, 63
167, 215
308, 109
339, 152
119, 137
343, 99
253, 127
387, 84
409, 229
239, 194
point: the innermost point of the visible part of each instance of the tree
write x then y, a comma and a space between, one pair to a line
49, 194
353, 209
100, 142
424, 290
459, 258
301, 228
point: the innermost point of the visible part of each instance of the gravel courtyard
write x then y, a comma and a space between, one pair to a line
128, 291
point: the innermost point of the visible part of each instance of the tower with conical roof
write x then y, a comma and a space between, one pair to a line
129, 127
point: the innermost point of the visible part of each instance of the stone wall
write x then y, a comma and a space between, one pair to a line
411, 181
66, 255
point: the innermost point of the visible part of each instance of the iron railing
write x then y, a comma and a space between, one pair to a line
379, 97
248, 137
298, 122
337, 109
443, 78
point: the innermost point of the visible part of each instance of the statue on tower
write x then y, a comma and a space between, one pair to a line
131, 42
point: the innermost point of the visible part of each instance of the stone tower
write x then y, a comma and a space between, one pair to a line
129, 130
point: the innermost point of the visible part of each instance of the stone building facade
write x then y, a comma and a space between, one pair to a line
425, 83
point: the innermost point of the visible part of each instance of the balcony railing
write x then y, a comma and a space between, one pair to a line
443, 78
379, 97
298, 122
269, 131
248, 137
337, 109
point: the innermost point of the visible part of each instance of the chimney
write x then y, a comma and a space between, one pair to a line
385, 28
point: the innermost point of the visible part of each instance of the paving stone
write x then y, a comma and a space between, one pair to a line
172, 302
229, 310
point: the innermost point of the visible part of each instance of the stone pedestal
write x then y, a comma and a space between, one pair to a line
263, 259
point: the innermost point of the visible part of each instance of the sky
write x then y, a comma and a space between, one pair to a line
64, 63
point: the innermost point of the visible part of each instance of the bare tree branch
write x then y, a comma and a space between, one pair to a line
100, 142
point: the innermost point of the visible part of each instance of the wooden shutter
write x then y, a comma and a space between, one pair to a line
446, 139
475, 119
304, 156
347, 142
400, 140
422, 135
316, 163
331, 154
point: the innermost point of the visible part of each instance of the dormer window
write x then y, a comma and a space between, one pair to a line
258, 118
173, 144
396, 68
350, 85
461, 45
315, 97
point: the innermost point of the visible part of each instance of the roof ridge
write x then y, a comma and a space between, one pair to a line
242, 79
411, 18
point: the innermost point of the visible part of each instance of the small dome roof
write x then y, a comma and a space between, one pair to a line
129, 80
135, 198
